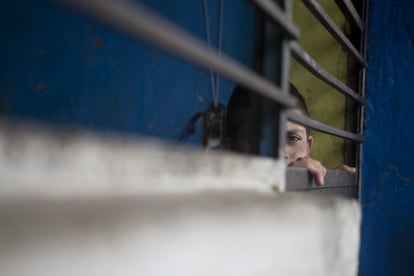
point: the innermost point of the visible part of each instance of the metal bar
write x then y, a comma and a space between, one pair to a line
272, 126
361, 121
284, 78
345, 191
300, 179
143, 24
277, 15
351, 13
308, 122
306, 60
328, 23
286, 55
276, 60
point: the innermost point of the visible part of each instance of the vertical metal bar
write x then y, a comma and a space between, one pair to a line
276, 69
271, 122
361, 113
286, 53
288, 6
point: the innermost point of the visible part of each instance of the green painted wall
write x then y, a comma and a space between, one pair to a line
325, 104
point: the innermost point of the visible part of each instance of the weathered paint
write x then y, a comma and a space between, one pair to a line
62, 68
388, 171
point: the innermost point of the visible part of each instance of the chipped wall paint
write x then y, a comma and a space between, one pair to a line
387, 194
64, 69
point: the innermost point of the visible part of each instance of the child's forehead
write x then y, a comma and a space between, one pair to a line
291, 126
294, 127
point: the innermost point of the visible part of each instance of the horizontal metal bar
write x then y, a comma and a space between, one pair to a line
277, 15
307, 61
313, 124
337, 183
333, 29
141, 23
350, 12
300, 179
345, 191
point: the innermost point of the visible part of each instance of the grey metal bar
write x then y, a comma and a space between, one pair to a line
299, 179
328, 23
344, 191
306, 121
143, 24
277, 15
306, 60
350, 12
276, 61
361, 114
337, 183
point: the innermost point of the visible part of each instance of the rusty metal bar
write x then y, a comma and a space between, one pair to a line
306, 60
141, 23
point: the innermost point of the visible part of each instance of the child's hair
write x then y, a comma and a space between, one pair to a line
301, 101
243, 118
301, 105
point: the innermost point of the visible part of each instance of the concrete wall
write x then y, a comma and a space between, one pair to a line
61, 68
388, 171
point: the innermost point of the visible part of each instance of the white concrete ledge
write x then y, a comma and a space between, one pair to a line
83, 204
39, 162
203, 234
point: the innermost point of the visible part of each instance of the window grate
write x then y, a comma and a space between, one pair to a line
332, 28
277, 34
305, 59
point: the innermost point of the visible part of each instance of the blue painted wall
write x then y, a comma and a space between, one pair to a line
387, 197
64, 69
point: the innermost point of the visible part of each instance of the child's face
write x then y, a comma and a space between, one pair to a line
298, 144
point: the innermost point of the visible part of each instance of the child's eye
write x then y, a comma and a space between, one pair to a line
293, 138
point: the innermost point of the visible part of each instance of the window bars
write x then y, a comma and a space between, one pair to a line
141, 23
339, 183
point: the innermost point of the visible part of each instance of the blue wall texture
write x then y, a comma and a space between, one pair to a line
61, 68
387, 194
